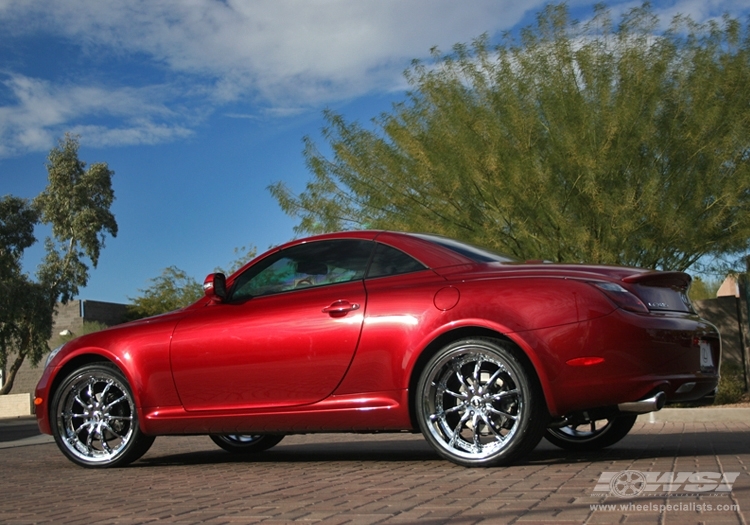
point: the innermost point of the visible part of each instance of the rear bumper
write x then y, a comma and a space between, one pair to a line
677, 354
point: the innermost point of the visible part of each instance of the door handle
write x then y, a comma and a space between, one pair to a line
340, 308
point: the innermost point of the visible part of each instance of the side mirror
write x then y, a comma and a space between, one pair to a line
215, 286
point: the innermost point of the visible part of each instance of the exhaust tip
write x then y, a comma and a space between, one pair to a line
661, 400
644, 406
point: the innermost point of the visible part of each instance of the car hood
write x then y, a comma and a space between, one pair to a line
103, 339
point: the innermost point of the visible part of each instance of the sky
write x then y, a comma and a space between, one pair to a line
199, 105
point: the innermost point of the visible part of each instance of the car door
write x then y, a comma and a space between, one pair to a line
285, 335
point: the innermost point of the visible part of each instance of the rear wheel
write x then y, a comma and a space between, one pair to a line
591, 435
479, 405
94, 419
246, 443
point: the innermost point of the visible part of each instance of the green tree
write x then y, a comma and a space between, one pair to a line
89, 327
171, 290
243, 255
175, 289
599, 142
704, 288
76, 204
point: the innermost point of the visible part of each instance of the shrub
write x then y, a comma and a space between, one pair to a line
731, 385
89, 327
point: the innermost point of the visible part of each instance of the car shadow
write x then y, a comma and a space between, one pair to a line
637, 446
349, 451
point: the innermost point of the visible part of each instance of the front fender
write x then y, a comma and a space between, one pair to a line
139, 350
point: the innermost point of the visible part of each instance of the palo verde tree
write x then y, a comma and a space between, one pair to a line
602, 142
174, 288
171, 290
76, 204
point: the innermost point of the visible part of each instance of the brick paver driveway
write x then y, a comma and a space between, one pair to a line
361, 479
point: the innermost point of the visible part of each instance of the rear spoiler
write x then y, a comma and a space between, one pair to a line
662, 279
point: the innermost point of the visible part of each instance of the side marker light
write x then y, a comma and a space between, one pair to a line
585, 361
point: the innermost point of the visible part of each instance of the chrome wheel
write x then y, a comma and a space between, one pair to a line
95, 421
477, 405
246, 443
591, 435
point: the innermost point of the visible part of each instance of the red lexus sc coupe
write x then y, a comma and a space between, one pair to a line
377, 331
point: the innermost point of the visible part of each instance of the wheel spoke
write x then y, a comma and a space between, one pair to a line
79, 429
80, 401
476, 376
120, 418
105, 445
504, 393
476, 429
491, 425
456, 394
457, 431
441, 415
493, 378
456, 408
112, 431
90, 389
456, 366
90, 437
107, 386
501, 413
113, 403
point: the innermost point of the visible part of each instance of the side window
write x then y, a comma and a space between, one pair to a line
390, 261
310, 264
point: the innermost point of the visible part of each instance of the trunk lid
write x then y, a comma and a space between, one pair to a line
659, 291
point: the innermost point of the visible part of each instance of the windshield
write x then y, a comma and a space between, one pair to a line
467, 250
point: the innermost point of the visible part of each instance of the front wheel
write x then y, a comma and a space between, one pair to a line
94, 419
591, 435
246, 443
479, 405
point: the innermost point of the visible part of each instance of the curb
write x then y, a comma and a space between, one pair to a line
697, 415
41, 439
665, 415
16, 405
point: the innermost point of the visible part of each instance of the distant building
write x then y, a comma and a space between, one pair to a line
71, 317
729, 287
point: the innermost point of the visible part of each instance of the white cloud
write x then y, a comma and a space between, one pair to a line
43, 111
700, 11
303, 51
137, 132
283, 55
703, 10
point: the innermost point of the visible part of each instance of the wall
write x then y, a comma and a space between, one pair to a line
729, 314
69, 316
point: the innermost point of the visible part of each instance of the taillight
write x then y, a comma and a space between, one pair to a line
621, 297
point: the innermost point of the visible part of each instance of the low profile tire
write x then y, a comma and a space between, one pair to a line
246, 443
479, 405
592, 435
94, 418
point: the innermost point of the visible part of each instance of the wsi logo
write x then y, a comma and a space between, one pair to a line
631, 483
